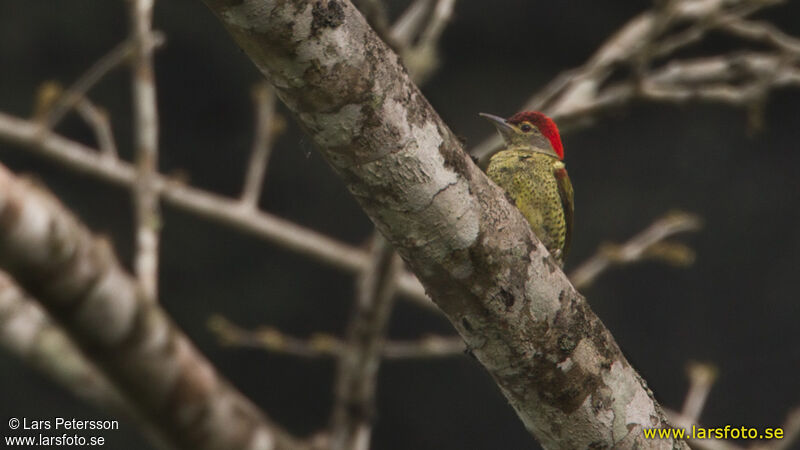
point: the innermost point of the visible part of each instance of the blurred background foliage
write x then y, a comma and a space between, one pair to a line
737, 306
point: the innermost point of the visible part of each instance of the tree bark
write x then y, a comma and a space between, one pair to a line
155, 367
555, 362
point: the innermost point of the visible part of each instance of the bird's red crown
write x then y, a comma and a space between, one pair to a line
545, 125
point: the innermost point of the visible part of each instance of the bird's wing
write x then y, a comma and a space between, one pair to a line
565, 192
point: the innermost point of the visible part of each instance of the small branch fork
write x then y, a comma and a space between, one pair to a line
648, 244
51, 95
415, 34
70, 97
579, 96
54, 102
417, 41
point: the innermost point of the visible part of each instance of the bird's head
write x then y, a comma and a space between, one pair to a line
529, 130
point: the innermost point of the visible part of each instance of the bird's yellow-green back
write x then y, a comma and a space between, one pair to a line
539, 187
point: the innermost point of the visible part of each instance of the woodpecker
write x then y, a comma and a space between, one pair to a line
530, 169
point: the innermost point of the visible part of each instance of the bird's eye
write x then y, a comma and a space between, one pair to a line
525, 128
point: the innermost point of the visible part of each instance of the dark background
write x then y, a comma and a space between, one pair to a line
737, 307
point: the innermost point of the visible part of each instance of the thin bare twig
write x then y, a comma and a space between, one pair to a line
146, 147
323, 345
54, 102
716, 19
357, 371
701, 378
417, 44
51, 93
431, 346
763, 32
266, 130
408, 26
649, 243
442, 14
97, 119
96, 72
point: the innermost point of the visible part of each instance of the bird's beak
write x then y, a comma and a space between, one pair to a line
505, 130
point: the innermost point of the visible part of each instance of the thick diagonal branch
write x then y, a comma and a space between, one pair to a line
556, 363
27, 332
132, 340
